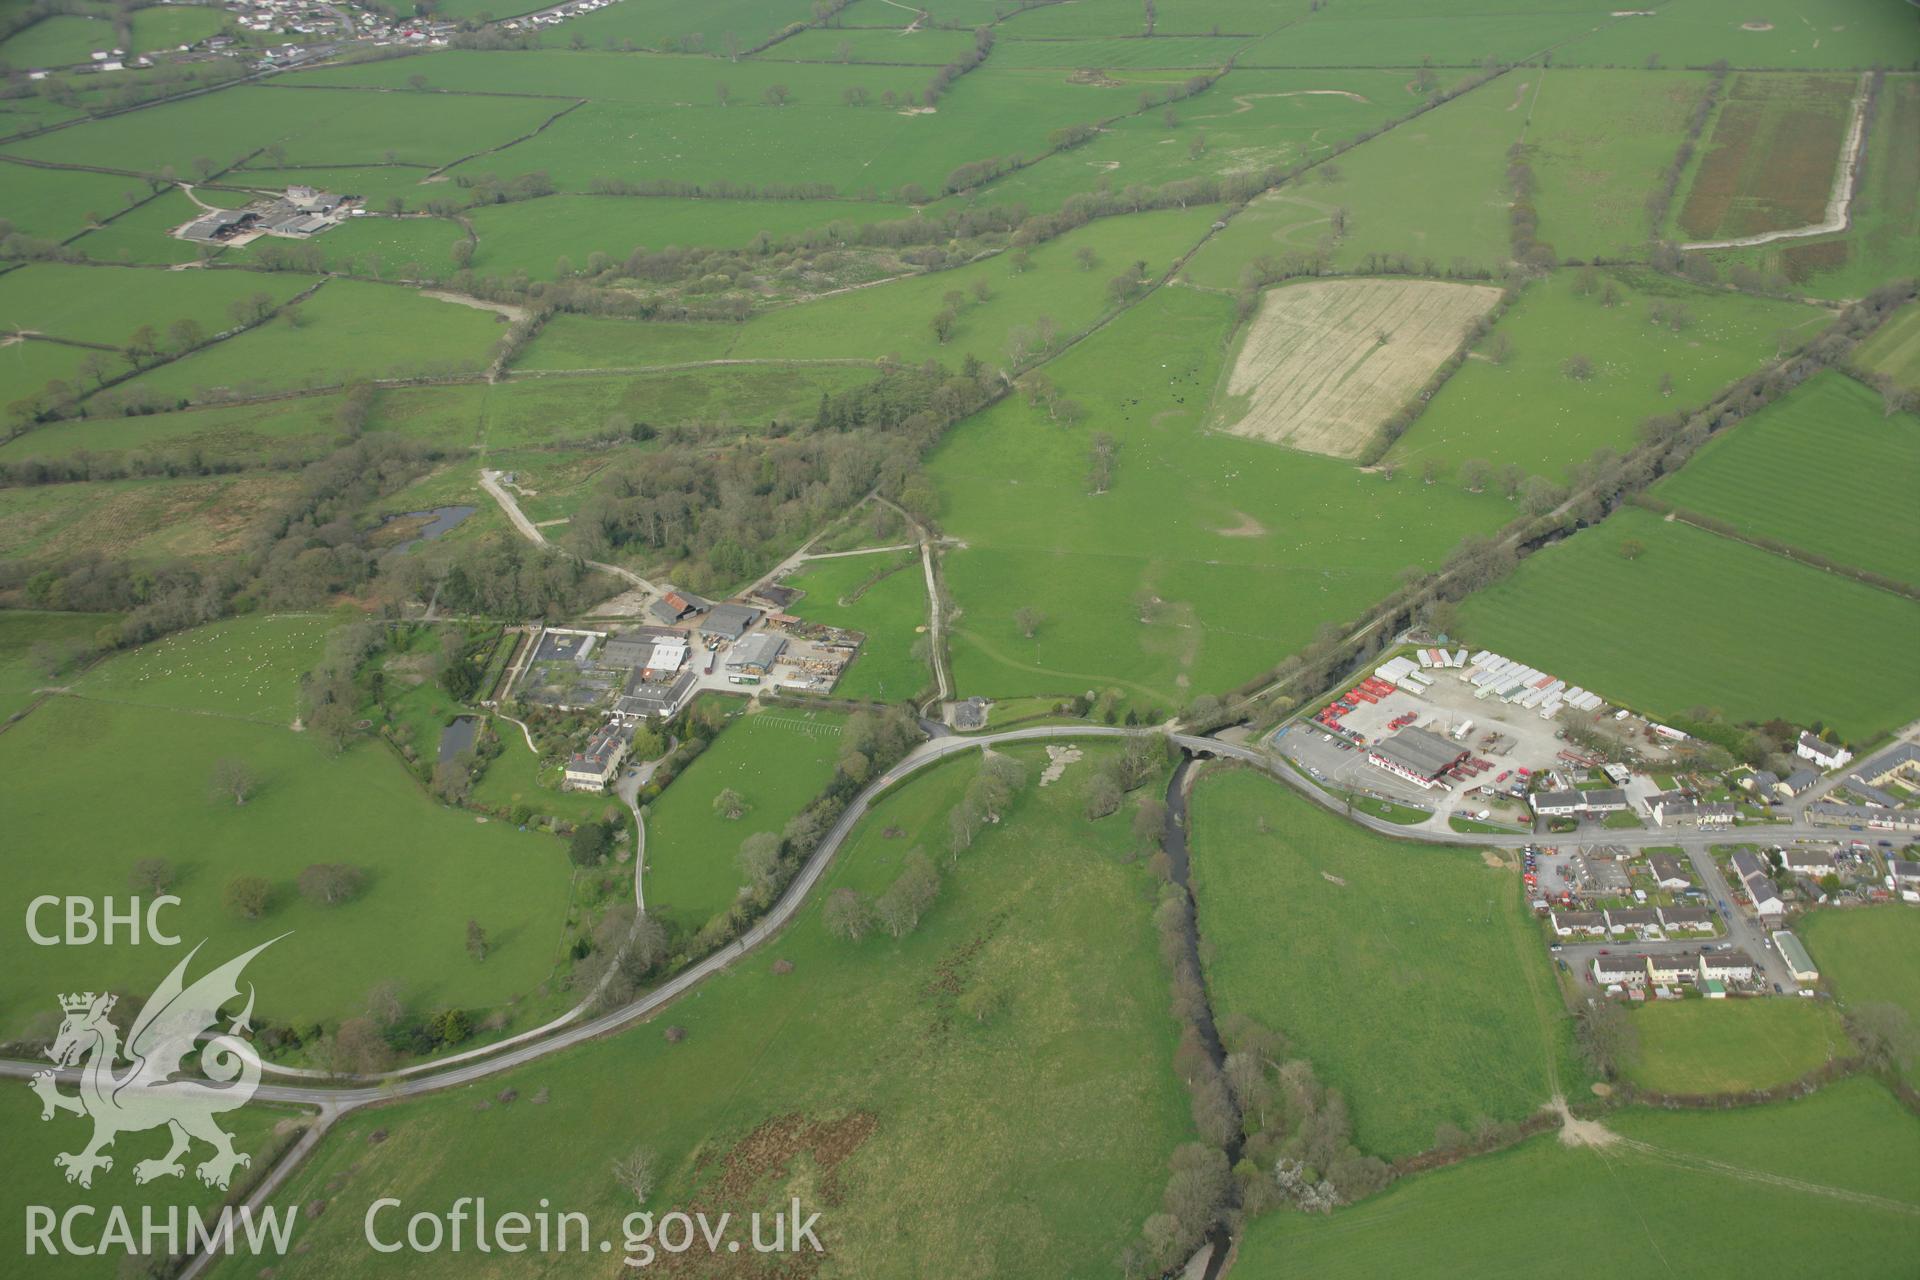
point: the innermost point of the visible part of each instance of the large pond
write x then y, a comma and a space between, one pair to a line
430, 524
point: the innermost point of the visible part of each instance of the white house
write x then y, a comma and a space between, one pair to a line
1903, 878
1591, 924
1828, 755
1752, 873
1726, 966
1808, 862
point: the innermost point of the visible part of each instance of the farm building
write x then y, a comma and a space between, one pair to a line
729, 621
558, 644
648, 699
754, 656
593, 767
1794, 952
1752, 873
1828, 755
1670, 871
1417, 755
676, 606
646, 649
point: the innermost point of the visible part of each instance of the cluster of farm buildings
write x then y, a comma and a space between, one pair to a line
650, 672
300, 213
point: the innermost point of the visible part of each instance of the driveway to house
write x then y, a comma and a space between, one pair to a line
490, 481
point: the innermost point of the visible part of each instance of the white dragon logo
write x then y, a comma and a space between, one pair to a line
155, 1090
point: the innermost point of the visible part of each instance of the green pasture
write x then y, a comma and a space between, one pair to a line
244, 668
1356, 947
1867, 956
350, 330
778, 760
248, 435
1338, 37
1895, 349
1053, 1118
1528, 411
1800, 34
416, 247
1598, 142
593, 342
925, 46
814, 138
429, 869
533, 409
32, 1178
37, 648
1587, 613
896, 318
1819, 469
58, 41
144, 520
1696, 1047
57, 203
27, 367
517, 776
140, 236
164, 28
533, 235
315, 127
658, 23
1246, 122
1819, 1184
1198, 53
1209, 557
891, 612
107, 304
1455, 155
375, 183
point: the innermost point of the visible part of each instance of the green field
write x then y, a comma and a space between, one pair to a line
896, 318
1355, 948
1598, 142
778, 761
928, 46
107, 304
1053, 1119
31, 1177
58, 41
314, 128
1817, 470
1895, 349
139, 236
1398, 34
348, 331
144, 521
591, 342
1248, 121
1528, 411
26, 368
248, 669
1823, 1184
891, 612
1867, 957
1208, 557
1744, 655
533, 235
32, 643
1455, 155
414, 853
1812, 34
1695, 1047
530, 409
57, 203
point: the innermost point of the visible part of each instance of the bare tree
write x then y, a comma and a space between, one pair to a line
848, 915
233, 780
730, 804
1029, 620
636, 1171
328, 884
477, 946
151, 875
